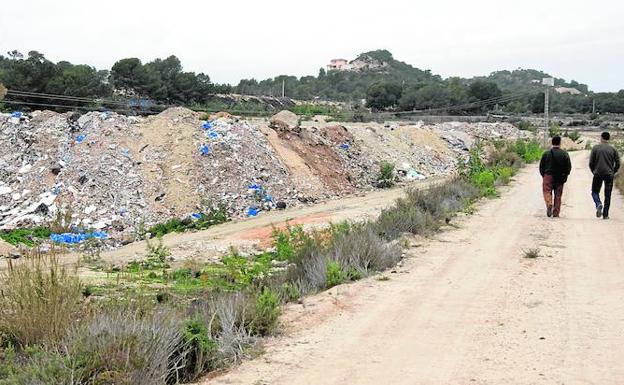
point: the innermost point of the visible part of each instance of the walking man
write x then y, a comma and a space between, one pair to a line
604, 163
554, 167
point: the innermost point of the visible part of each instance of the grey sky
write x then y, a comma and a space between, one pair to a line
234, 39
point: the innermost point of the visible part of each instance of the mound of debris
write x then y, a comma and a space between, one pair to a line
117, 175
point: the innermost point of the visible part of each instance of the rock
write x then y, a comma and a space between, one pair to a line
56, 168
8, 251
285, 121
281, 205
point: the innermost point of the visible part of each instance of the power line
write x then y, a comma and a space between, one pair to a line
27, 94
71, 107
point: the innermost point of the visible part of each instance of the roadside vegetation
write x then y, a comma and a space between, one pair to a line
154, 321
618, 143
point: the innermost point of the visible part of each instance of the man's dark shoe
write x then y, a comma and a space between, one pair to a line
599, 211
605, 217
549, 211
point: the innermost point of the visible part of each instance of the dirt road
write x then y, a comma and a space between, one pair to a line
468, 308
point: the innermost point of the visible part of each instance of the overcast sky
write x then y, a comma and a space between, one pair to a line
234, 39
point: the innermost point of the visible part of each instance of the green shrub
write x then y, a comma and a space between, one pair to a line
574, 135
530, 151
554, 130
484, 181
38, 366
27, 237
505, 174
289, 292
526, 126
202, 350
385, 179
267, 312
335, 275
214, 216
534, 152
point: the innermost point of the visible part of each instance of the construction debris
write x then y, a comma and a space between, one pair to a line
117, 175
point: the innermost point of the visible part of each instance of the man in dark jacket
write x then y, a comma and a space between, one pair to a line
604, 163
555, 167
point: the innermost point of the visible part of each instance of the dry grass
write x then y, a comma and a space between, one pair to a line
532, 253
38, 301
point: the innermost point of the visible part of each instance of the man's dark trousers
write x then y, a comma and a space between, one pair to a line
596, 186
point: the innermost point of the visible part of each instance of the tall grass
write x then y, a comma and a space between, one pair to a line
39, 300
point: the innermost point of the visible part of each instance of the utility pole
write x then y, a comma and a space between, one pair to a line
283, 88
548, 82
593, 106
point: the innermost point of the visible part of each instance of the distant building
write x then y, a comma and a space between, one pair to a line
568, 90
338, 65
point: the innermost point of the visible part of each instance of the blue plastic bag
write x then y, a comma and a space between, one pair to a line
80, 138
207, 125
204, 149
255, 187
345, 146
213, 135
196, 216
76, 238
16, 114
252, 211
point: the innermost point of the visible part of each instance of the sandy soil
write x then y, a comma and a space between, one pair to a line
468, 308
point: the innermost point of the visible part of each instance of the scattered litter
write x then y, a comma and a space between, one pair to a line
345, 146
16, 114
253, 211
213, 135
80, 138
204, 149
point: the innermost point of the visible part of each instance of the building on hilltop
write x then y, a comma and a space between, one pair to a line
338, 65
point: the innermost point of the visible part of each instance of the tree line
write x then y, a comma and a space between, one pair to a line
392, 85
159, 81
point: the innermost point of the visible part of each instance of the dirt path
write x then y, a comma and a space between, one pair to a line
467, 308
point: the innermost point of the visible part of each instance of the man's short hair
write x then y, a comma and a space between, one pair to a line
556, 141
605, 135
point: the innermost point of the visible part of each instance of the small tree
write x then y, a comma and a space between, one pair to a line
385, 179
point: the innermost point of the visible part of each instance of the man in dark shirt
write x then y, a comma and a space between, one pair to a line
604, 163
555, 167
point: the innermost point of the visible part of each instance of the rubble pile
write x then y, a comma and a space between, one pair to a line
416, 152
114, 175
462, 136
241, 170
323, 157
32, 153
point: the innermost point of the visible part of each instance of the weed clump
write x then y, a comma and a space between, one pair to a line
385, 179
532, 253
38, 301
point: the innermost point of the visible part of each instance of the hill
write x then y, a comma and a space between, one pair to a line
131, 86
